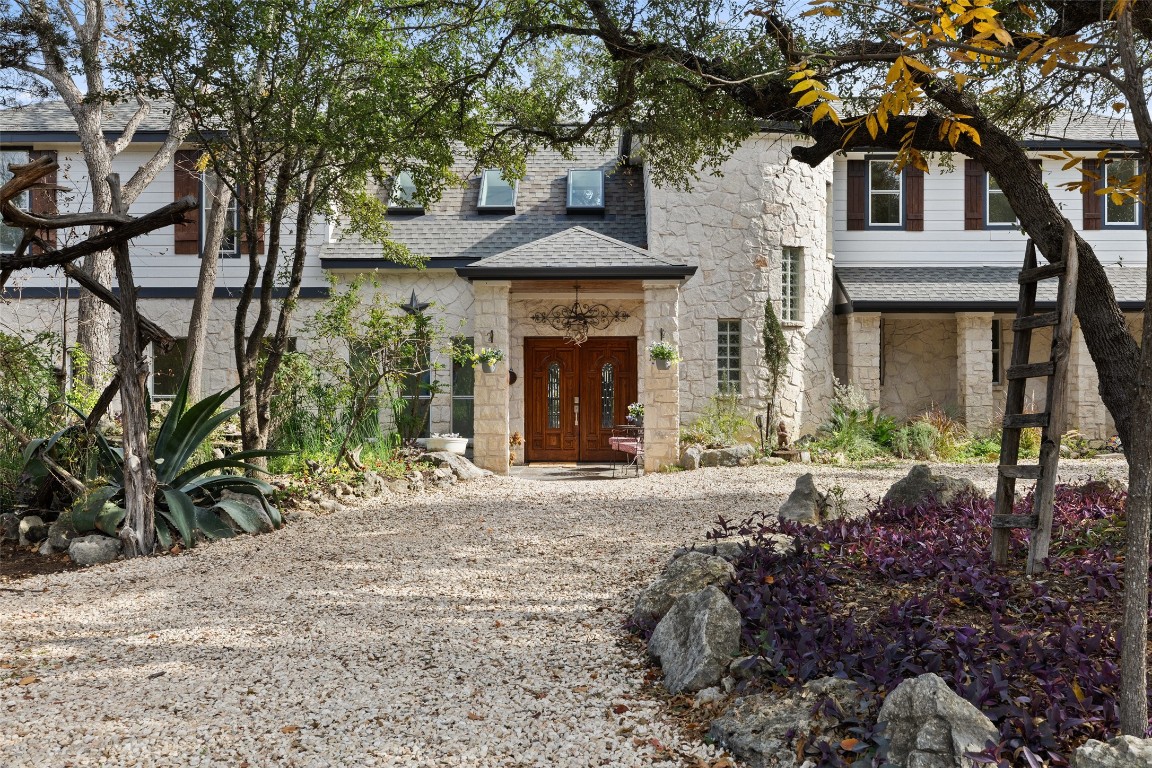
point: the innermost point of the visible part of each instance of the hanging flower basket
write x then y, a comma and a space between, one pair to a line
488, 358
663, 354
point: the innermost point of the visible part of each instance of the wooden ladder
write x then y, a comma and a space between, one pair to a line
1051, 420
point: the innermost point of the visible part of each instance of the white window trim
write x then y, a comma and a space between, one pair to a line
1137, 207
739, 369
23, 200
899, 193
204, 192
568, 191
792, 304
482, 205
988, 206
396, 205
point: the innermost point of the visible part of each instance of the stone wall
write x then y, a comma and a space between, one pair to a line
919, 365
735, 227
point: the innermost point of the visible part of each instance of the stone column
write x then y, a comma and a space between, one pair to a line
863, 353
490, 443
1086, 411
974, 369
660, 390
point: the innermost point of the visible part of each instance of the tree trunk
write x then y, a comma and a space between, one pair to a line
139, 531
209, 262
94, 317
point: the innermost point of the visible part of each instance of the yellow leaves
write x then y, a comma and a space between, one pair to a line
814, 92
290, 729
29, 680
822, 8
1078, 692
1118, 106
952, 129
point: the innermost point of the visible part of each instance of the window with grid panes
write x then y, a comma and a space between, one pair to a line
10, 237
463, 392
167, 370
728, 356
791, 269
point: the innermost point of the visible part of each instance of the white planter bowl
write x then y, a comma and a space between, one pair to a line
451, 444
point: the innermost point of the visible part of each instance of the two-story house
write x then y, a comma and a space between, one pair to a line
899, 282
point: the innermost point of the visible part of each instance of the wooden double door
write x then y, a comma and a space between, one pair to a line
574, 396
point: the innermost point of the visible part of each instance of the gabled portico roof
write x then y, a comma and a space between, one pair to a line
576, 252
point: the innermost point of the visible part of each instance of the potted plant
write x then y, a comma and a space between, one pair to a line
449, 441
663, 354
488, 358
636, 414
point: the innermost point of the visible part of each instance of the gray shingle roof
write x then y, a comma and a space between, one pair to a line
439, 236
53, 116
576, 248
941, 289
1092, 129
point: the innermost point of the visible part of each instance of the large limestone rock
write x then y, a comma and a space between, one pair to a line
736, 456
805, 504
1121, 752
921, 485
696, 640
32, 529
94, 549
929, 726
457, 464
61, 531
729, 549
686, 574
761, 729
690, 457
9, 526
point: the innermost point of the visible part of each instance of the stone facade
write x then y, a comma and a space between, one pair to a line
919, 365
735, 227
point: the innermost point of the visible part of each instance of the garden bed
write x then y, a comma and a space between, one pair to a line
904, 591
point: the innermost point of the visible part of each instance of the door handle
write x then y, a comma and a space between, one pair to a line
576, 410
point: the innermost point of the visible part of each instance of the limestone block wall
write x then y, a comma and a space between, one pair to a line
919, 365
735, 227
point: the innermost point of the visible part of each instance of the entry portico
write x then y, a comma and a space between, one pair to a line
535, 302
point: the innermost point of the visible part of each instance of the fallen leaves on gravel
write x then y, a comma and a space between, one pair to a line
28, 680
290, 729
474, 716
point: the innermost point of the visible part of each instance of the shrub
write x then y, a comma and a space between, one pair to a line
904, 591
917, 440
724, 423
188, 494
856, 429
28, 386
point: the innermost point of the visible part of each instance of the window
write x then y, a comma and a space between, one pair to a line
463, 391
10, 237
885, 193
168, 370
416, 392
1116, 172
585, 191
229, 244
402, 198
728, 357
496, 194
791, 268
998, 211
996, 357
607, 395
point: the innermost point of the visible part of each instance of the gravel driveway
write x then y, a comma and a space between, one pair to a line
479, 627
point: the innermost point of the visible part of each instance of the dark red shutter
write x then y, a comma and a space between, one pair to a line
186, 181
1092, 201
42, 202
857, 193
974, 189
913, 199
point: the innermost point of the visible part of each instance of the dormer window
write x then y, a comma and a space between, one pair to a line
585, 191
402, 198
496, 194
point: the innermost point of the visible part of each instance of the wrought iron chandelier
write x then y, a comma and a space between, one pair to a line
577, 319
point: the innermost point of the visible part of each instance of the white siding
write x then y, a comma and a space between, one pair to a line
945, 242
153, 261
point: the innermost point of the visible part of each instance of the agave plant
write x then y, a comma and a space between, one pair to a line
187, 497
